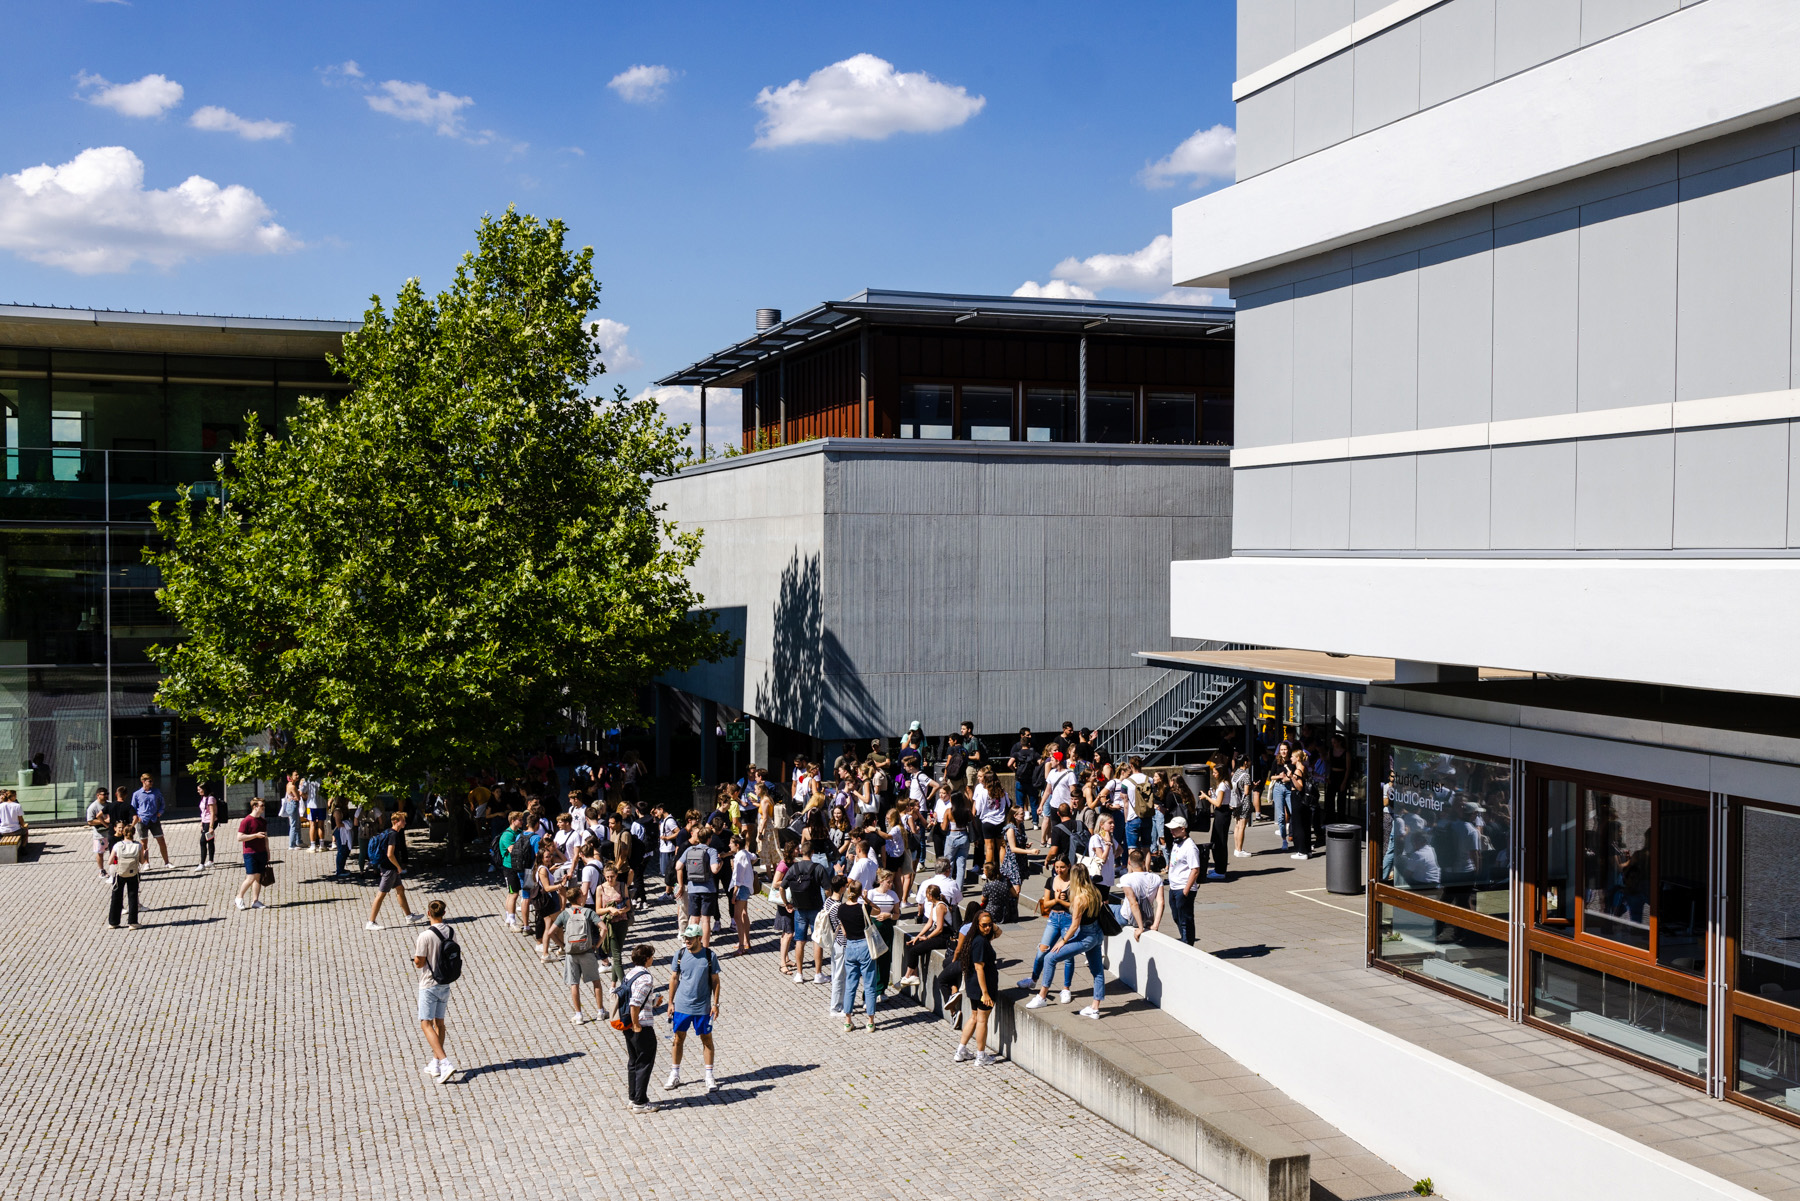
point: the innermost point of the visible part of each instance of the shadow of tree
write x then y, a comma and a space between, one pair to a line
812, 684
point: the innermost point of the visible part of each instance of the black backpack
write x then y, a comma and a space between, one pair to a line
448, 968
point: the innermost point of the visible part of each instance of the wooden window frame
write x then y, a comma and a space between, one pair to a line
1739, 1004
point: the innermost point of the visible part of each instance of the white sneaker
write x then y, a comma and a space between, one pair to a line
799, 978
985, 1059
1299, 855
1062, 998
430, 1068
963, 1054
582, 1019
257, 905
1092, 1011
1241, 854
239, 902
1036, 1003
446, 1069
906, 981
674, 1080
712, 1086
371, 925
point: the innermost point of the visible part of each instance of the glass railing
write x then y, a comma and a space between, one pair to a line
71, 484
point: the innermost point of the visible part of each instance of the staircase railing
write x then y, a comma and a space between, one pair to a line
1167, 694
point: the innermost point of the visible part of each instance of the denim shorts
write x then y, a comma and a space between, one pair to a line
803, 924
741, 893
434, 999
153, 829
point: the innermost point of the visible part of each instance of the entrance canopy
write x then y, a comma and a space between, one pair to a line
1313, 669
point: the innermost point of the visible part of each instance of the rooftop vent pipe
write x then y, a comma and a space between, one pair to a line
767, 319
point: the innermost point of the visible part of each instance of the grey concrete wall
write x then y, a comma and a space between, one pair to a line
1450, 49
1671, 279
1004, 585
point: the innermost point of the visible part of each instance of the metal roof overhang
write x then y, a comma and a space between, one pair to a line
945, 310
1312, 669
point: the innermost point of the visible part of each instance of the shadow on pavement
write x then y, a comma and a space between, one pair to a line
517, 1065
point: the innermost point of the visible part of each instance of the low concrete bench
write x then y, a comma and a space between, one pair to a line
12, 848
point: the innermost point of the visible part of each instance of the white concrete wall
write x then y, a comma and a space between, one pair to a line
1693, 75
1478, 1139
1696, 623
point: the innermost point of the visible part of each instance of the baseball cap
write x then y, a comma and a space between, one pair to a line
914, 726
691, 932
1180, 823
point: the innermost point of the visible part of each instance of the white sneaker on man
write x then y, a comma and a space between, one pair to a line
430, 1068
674, 1080
446, 1069
1299, 855
371, 925
1241, 854
239, 902
712, 1086
582, 1019
799, 978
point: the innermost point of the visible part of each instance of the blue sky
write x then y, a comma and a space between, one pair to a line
976, 147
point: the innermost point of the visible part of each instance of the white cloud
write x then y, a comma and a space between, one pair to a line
1208, 154
861, 97
724, 411
614, 352
1056, 289
93, 215
1146, 270
418, 102
223, 120
151, 96
641, 84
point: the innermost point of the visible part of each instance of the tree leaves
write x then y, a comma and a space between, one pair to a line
431, 570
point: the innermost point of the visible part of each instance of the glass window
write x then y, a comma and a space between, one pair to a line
1562, 849
1169, 418
1768, 902
987, 413
53, 723
1768, 1064
1630, 1016
1218, 419
52, 588
1051, 415
1616, 838
1681, 850
1109, 416
925, 410
1446, 954
1447, 829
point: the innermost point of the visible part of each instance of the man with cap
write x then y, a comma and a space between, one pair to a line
1184, 877
693, 1002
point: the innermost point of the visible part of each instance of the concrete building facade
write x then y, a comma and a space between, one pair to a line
1518, 378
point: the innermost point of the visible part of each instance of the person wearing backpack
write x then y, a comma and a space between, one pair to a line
438, 958
387, 851
697, 875
636, 999
693, 1003
126, 860
581, 944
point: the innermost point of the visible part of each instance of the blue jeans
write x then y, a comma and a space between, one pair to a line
860, 970
1054, 928
1181, 907
1026, 798
295, 826
804, 920
956, 850
1086, 943
343, 857
1278, 798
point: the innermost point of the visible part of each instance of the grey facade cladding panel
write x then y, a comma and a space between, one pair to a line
1384, 393
1625, 493
1456, 50
1793, 505
1731, 487
1626, 333
1387, 77
856, 622
1737, 279
1265, 367
1321, 513
1383, 503
1536, 290
1445, 52
1262, 517
1671, 278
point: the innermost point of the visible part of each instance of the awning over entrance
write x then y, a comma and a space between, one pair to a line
1316, 669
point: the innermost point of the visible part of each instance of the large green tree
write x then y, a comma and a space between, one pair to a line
429, 570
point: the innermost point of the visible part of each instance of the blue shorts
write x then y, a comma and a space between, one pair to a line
253, 863
803, 924
699, 1023
434, 1000
741, 893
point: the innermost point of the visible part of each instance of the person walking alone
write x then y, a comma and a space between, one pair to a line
693, 1003
126, 859
634, 1021
388, 852
209, 829
253, 840
439, 961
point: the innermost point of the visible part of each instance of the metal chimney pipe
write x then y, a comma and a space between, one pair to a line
767, 319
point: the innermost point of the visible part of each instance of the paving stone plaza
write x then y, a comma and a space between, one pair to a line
274, 1053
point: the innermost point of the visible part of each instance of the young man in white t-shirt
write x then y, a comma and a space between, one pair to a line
1059, 789
1143, 896
1184, 877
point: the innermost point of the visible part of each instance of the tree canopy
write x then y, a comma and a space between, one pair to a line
427, 571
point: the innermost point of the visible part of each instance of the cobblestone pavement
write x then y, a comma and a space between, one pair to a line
222, 1054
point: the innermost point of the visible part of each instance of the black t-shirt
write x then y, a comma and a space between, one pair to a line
981, 954
855, 921
118, 811
805, 884
1023, 755
1060, 837
955, 763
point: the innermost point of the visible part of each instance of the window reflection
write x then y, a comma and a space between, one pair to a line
1052, 415
1768, 1064
1449, 955
1628, 1015
1109, 416
925, 410
1447, 828
1616, 905
987, 413
1768, 926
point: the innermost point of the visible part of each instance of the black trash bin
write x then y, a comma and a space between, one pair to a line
1343, 858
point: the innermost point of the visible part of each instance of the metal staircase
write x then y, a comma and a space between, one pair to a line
1176, 703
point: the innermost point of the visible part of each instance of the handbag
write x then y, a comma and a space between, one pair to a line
1110, 924
268, 876
872, 938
